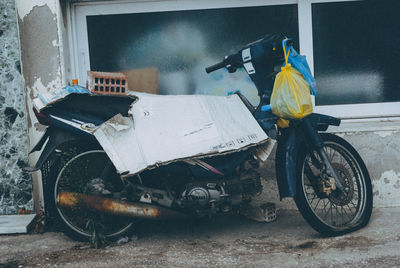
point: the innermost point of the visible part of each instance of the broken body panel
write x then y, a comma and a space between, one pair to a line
142, 131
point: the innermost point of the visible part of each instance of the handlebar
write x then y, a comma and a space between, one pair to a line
215, 67
265, 49
231, 62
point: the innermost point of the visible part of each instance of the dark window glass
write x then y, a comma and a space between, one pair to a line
180, 44
356, 51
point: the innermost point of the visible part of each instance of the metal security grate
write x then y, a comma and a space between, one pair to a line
107, 83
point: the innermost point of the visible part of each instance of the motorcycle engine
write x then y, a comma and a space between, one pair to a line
211, 197
202, 195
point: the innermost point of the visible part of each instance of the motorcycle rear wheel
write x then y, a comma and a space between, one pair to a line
331, 212
88, 171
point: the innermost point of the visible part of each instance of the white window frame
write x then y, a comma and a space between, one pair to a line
79, 44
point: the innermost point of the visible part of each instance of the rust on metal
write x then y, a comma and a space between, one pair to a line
115, 207
107, 83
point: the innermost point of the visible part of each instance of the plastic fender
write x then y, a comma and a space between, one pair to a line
285, 162
289, 144
55, 137
321, 122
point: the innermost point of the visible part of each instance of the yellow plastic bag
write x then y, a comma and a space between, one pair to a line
291, 96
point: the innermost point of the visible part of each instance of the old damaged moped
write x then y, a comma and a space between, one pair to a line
322, 172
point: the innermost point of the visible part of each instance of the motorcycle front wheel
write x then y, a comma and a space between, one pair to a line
328, 210
87, 171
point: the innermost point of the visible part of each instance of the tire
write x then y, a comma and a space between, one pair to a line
85, 168
334, 213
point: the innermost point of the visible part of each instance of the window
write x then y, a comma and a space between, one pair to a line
180, 44
354, 55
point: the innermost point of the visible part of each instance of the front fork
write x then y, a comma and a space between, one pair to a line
314, 142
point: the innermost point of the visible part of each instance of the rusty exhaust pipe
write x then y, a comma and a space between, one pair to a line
116, 207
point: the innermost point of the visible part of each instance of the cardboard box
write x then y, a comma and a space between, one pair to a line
143, 80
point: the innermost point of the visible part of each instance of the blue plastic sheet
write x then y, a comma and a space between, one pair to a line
76, 89
299, 62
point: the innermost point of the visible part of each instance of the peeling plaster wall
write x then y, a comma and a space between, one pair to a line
15, 184
380, 151
42, 57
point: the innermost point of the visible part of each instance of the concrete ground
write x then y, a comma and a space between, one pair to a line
225, 241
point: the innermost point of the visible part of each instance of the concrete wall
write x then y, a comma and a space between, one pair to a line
41, 37
380, 150
15, 185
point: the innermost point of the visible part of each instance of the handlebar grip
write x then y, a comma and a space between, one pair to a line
215, 67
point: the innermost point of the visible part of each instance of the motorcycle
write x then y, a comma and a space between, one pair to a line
324, 174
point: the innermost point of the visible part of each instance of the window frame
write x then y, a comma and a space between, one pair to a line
79, 44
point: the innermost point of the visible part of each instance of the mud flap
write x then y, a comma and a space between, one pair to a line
285, 162
289, 143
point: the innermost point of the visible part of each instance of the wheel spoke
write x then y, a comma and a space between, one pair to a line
327, 212
332, 155
343, 209
315, 208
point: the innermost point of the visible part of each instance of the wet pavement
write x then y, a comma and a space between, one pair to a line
225, 241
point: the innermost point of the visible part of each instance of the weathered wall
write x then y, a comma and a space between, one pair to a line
15, 185
380, 151
42, 64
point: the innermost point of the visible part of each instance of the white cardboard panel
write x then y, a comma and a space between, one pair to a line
166, 128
